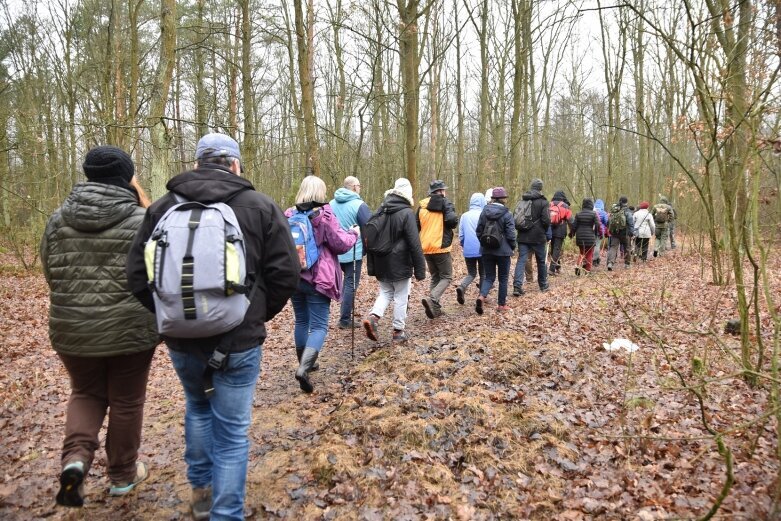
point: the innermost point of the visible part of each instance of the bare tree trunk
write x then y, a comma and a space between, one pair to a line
410, 60
304, 39
460, 164
159, 134
250, 148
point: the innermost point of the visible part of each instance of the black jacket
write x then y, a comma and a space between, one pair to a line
407, 254
499, 212
586, 228
541, 215
560, 230
270, 252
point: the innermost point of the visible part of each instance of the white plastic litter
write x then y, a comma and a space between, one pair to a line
619, 343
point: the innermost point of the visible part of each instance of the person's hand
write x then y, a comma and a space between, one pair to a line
356, 230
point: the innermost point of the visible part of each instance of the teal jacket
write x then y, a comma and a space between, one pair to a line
84, 251
350, 210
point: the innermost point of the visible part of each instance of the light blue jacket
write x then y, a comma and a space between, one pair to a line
466, 226
350, 210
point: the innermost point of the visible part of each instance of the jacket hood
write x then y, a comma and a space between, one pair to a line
94, 207
532, 194
599, 204
495, 210
477, 201
343, 195
394, 202
208, 184
664, 200
435, 203
559, 196
588, 204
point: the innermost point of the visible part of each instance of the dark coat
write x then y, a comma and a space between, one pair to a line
83, 252
541, 215
586, 228
406, 257
560, 230
271, 254
496, 211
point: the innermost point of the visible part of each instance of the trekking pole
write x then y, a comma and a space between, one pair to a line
352, 308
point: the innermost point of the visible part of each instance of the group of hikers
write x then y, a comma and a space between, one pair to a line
208, 264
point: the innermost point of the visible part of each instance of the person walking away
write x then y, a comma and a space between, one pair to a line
436, 219
103, 336
599, 249
532, 219
496, 229
645, 228
394, 270
218, 409
671, 225
470, 245
621, 228
663, 214
322, 282
587, 232
561, 223
350, 210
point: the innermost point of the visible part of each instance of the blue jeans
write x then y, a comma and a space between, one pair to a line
349, 289
312, 310
492, 263
542, 268
215, 429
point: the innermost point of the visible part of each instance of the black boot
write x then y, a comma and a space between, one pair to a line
308, 359
299, 352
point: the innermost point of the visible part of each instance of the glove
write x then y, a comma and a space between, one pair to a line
356, 230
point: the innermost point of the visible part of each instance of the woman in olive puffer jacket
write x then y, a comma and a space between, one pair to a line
101, 332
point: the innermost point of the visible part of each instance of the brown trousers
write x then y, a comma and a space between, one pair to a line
116, 383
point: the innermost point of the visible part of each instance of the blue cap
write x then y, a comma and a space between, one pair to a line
217, 145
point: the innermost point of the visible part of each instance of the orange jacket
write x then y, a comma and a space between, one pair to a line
436, 218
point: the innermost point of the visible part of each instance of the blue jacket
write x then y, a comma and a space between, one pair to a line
503, 215
599, 207
466, 226
350, 210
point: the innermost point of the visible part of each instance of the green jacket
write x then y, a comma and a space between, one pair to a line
83, 252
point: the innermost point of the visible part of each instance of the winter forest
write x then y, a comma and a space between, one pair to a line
520, 416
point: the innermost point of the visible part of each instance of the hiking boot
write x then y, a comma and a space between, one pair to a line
596, 262
460, 295
609, 267
518, 291
308, 359
578, 271
347, 325
656, 253
428, 306
370, 326
479, 305
201, 503
71, 493
299, 352
503, 309
545, 288
399, 335
120, 489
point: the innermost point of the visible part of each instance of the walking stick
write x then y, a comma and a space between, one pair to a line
352, 308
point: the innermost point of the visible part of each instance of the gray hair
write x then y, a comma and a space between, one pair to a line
350, 181
312, 190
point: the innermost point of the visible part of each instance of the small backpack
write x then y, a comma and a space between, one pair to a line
616, 221
304, 237
524, 220
378, 233
197, 269
556, 213
492, 235
661, 213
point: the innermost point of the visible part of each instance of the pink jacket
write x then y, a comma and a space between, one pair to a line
326, 275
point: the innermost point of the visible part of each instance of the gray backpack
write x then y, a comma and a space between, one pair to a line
197, 269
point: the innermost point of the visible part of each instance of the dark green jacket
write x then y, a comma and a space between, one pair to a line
83, 252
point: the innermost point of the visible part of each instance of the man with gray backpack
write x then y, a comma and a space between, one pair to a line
214, 259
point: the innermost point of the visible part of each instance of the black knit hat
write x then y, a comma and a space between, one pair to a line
623, 199
107, 162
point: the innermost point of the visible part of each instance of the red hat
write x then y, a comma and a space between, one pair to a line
644, 205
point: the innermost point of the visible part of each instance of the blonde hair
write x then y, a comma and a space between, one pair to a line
350, 181
143, 200
312, 190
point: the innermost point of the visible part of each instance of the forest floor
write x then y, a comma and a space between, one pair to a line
519, 415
